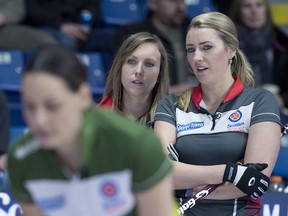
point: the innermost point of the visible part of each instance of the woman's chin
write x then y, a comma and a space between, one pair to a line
47, 144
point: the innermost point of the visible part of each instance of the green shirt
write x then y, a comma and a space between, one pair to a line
119, 157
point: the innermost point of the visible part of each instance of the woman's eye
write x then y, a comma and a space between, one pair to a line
29, 107
52, 107
190, 50
148, 64
207, 47
131, 61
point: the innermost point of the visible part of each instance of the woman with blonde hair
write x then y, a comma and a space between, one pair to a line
225, 131
138, 78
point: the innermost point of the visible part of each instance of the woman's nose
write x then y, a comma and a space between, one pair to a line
139, 69
40, 117
197, 55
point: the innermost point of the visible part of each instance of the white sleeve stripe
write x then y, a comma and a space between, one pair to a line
161, 113
266, 114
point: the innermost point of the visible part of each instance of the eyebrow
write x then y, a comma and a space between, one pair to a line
204, 42
149, 58
152, 59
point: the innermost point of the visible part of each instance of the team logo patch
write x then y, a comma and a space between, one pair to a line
116, 198
54, 202
109, 189
236, 116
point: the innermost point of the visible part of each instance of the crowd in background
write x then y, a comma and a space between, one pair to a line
31, 24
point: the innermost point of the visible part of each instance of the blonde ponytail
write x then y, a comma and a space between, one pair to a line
241, 69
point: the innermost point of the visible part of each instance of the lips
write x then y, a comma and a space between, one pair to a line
201, 68
42, 134
138, 82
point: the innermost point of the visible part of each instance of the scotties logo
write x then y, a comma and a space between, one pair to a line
109, 189
236, 116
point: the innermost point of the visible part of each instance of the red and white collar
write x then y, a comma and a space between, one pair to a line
107, 102
236, 89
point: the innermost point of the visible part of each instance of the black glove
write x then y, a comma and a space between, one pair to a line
247, 178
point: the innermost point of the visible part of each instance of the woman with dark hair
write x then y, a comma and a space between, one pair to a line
264, 44
79, 160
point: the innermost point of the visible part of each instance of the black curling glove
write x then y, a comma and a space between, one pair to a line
248, 178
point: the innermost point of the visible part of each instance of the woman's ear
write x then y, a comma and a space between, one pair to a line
85, 94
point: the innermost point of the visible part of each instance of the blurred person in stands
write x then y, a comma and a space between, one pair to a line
13, 34
138, 78
4, 130
79, 160
166, 19
264, 44
61, 19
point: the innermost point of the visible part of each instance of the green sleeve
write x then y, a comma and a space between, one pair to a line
151, 164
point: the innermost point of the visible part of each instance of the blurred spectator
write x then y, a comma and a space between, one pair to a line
61, 19
13, 35
264, 44
168, 20
4, 130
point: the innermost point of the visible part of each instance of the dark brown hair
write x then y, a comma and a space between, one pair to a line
59, 61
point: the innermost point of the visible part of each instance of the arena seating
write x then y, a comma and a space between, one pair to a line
196, 7
281, 166
121, 12
11, 64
